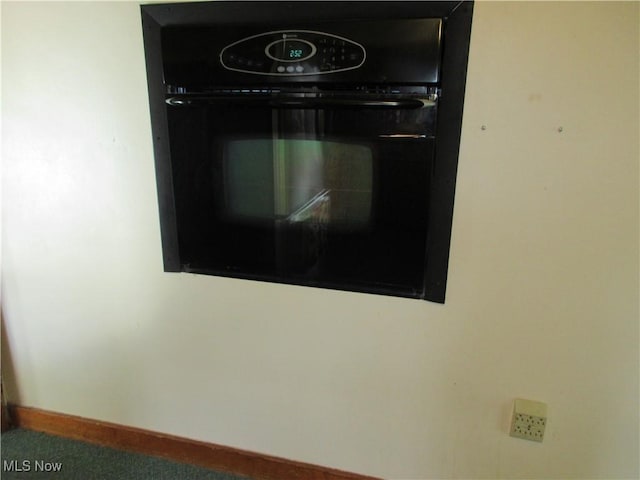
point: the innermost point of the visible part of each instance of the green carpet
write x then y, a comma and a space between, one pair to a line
34, 455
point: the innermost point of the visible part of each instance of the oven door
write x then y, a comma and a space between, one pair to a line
328, 191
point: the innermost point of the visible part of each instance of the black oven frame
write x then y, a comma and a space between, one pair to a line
457, 17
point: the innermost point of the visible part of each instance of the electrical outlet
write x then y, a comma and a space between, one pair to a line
529, 419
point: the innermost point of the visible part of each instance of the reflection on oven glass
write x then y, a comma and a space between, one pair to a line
314, 181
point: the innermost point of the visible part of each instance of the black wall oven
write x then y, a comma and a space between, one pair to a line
308, 143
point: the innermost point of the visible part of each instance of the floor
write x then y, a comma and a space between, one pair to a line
33, 455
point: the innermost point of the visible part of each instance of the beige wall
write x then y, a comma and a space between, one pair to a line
543, 291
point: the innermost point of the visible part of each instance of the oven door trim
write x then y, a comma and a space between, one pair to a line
161, 148
445, 167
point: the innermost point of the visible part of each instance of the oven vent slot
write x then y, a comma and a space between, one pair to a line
416, 90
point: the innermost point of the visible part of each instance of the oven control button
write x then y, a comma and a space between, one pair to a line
299, 68
280, 69
290, 69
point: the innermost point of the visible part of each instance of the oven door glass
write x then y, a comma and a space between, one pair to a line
332, 195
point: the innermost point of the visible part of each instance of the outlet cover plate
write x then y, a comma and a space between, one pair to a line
529, 420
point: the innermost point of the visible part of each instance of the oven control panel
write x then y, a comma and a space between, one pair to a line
293, 53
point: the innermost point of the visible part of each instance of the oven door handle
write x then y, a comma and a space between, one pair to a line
292, 101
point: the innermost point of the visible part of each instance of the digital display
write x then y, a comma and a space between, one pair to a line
290, 50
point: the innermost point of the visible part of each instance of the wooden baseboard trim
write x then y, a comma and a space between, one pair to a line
216, 457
